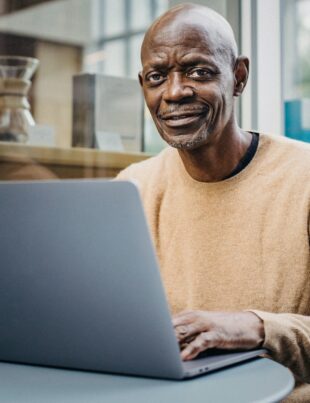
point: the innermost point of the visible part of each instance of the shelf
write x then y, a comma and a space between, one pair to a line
67, 162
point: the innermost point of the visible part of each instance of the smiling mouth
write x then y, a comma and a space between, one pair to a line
182, 119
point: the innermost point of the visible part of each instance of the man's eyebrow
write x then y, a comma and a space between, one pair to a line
156, 65
186, 61
189, 60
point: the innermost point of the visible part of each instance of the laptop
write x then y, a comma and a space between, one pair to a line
80, 284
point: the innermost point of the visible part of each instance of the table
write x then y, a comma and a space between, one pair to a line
259, 380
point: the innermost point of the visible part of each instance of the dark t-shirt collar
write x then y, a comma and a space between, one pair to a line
247, 157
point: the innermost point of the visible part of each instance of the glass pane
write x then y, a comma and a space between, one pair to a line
51, 105
93, 59
134, 48
297, 69
153, 143
114, 61
160, 7
114, 17
140, 15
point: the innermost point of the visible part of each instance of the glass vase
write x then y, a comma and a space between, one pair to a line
15, 115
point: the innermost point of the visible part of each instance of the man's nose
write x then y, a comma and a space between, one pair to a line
177, 88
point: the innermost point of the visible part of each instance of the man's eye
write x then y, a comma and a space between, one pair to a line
155, 77
199, 73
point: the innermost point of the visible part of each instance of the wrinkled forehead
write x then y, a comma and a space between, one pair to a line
187, 36
207, 36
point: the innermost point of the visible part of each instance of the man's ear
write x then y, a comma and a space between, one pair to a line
241, 73
140, 78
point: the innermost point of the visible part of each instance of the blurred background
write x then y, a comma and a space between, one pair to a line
76, 41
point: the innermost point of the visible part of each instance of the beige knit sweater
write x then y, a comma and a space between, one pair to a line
238, 244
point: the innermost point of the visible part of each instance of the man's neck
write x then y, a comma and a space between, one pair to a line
218, 158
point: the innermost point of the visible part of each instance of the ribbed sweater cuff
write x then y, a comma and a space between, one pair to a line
272, 326
287, 338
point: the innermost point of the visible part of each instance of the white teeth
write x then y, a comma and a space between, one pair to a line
179, 117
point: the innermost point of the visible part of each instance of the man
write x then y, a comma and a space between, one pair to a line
228, 209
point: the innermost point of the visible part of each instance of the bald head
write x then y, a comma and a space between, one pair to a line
189, 19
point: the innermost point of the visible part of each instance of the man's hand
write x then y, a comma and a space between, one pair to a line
197, 331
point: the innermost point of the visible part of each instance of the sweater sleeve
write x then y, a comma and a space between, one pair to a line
123, 175
287, 337
127, 174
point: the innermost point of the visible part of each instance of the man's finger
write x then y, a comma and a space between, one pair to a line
183, 318
187, 332
200, 343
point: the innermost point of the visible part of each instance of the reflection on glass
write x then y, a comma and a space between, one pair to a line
121, 21
153, 143
113, 17
296, 64
71, 37
15, 116
141, 16
135, 62
114, 61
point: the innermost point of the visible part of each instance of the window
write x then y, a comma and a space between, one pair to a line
296, 68
122, 27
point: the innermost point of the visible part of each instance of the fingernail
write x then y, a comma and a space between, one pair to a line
183, 355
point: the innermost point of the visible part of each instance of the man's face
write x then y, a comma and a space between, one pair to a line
188, 84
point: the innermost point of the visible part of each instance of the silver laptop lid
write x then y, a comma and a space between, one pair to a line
80, 282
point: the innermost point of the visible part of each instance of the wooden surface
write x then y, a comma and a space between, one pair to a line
28, 162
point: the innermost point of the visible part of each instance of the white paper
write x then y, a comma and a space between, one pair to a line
108, 141
41, 135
